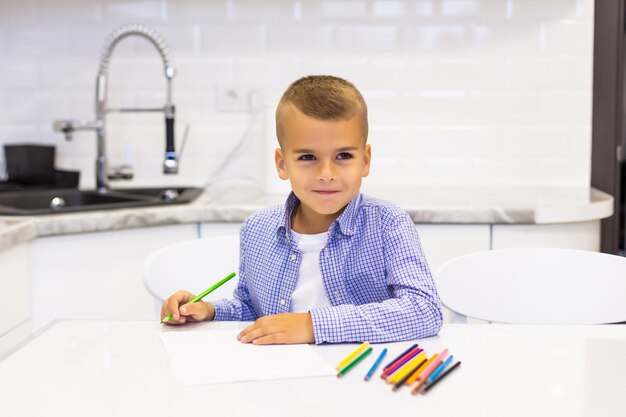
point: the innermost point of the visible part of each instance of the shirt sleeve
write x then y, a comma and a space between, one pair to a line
413, 311
240, 307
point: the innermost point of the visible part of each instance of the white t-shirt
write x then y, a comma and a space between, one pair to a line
309, 292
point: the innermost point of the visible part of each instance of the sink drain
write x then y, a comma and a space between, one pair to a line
57, 203
168, 195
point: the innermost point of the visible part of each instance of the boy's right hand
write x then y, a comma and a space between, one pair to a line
177, 306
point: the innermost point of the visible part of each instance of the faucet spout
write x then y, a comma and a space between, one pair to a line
170, 164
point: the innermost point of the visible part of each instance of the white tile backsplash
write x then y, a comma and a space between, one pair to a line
149, 12
349, 9
368, 38
460, 92
299, 37
19, 75
232, 38
280, 11
389, 8
71, 11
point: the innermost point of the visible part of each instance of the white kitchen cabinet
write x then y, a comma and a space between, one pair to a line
97, 275
15, 308
218, 229
442, 242
582, 235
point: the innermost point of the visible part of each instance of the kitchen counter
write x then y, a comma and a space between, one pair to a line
235, 203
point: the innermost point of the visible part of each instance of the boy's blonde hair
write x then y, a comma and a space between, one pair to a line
324, 97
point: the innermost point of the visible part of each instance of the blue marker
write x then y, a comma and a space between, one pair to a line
378, 361
440, 368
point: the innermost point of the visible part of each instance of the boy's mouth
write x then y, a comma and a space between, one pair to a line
325, 192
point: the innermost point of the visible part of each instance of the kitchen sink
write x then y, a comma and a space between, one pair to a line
26, 203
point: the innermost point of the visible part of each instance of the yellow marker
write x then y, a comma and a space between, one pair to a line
406, 368
353, 355
417, 373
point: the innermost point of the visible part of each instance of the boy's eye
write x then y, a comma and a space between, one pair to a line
344, 155
306, 157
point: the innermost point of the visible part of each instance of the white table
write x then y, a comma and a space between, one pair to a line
119, 368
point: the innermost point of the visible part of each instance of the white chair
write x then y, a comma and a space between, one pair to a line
194, 266
535, 286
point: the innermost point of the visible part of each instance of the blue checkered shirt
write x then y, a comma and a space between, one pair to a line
373, 267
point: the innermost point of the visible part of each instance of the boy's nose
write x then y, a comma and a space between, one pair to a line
326, 171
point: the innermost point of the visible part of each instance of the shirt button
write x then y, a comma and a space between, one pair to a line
282, 302
293, 256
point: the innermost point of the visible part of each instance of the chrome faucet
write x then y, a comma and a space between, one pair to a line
170, 163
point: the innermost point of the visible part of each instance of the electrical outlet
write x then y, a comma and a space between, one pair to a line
233, 98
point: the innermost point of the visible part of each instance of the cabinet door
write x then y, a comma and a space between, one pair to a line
218, 229
97, 275
442, 242
582, 235
15, 308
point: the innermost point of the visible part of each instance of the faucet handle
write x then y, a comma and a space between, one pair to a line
65, 126
69, 126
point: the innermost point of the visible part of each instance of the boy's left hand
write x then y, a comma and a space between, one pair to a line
286, 328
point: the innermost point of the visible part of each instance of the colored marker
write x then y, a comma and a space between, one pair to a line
406, 368
409, 374
440, 369
354, 362
373, 368
442, 376
417, 374
203, 294
353, 355
400, 356
389, 371
426, 373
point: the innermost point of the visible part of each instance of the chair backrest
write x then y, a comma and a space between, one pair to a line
194, 266
535, 286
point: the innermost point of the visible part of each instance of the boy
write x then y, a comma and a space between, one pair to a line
331, 265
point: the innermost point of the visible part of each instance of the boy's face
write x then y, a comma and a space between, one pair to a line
324, 160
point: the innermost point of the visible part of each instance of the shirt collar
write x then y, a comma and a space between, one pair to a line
345, 222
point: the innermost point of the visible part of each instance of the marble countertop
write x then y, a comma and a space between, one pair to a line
425, 205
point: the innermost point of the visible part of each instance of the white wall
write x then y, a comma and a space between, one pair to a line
462, 92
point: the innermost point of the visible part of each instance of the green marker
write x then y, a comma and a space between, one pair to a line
203, 294
354, 362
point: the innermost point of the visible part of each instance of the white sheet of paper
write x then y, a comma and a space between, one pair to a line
216, 356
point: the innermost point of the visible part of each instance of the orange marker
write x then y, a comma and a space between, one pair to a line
417, 373
429, 370
406, 368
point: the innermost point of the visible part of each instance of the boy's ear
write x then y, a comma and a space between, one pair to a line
367, 158
280, 164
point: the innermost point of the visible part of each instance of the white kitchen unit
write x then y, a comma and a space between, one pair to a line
442, 242
89, 265
97, 275
219, 229
575, 235
15, 308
